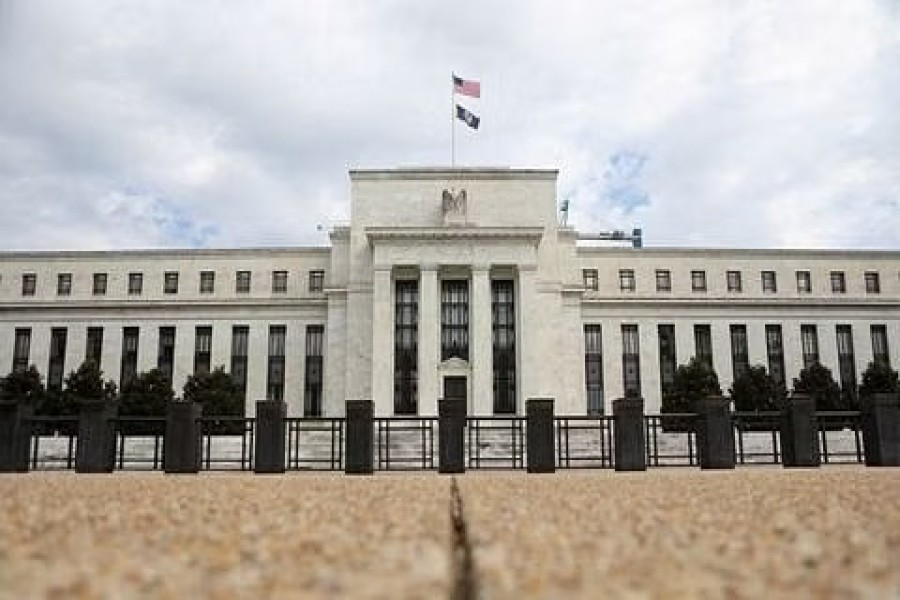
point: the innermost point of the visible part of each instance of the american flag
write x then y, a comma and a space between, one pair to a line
466, 87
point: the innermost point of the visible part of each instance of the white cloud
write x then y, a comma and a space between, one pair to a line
203, 123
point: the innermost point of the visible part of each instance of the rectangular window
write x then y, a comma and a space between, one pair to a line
29, 284
740, 357
63, 284
207, 282
593, 368
242, 282
769, 284
135, 283
846, 363
275, 375
21, 349
312, 393
99, 288
775, 353
316, 281
57, 365
631, 361
503, 324
240, 335
804, 282
626, 280
663, 280
406, 347
128, 369
698, 281
165, 356
809, 345
733, 281
838, 282
279, 282
203, 349
590, 279
703, 345
667, 358
880, 354
93, 350
454, 319
170, 282
873, 282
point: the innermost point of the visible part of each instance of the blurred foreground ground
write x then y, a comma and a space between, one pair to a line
753, 532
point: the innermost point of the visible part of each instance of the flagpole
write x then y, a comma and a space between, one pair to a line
452, 123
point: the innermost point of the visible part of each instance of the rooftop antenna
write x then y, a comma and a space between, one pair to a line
564, 212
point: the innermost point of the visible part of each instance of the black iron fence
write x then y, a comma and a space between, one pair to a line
411, 443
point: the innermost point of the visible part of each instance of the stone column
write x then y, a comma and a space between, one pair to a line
382, 342
481, 342
529, 346
429, 340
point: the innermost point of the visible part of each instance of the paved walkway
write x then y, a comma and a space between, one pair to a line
832, 532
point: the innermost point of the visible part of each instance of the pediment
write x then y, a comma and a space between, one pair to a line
454, 364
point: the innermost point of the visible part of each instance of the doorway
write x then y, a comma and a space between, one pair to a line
455, 387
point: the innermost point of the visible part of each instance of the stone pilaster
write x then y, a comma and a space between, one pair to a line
382, 342
481, 342
429, 340
529, 346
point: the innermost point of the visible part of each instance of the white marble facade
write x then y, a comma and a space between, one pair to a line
434, 225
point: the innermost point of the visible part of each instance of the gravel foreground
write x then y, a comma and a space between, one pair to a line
749, 533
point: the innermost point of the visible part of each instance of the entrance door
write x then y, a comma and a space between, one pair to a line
455, 387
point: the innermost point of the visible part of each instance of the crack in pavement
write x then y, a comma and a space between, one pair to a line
463, 582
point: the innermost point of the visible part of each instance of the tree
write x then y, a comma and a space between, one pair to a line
757, 391
693, 381
86, 383
219, 395
145, 395
879, 377
23, 386
817, 381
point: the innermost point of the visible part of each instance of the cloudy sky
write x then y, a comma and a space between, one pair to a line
157, 123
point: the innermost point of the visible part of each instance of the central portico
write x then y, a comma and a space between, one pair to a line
452, 282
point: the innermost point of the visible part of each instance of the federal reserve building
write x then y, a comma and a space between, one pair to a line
460, 282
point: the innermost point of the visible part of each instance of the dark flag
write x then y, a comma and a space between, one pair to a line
467, 116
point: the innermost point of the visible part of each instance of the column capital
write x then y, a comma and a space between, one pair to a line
428, 267
480, 267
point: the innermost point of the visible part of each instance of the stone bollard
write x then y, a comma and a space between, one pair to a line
799, 433
358, 455
715, 433
881, 430
270, 428
15, 436
629, 434
95, 451
451, 425
539, 443
181, 446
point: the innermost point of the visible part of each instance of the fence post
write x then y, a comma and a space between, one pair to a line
451, 424
630, 445
800, 432
95, 451
881, 430
181, 446
270, 426
715, 433
539, 442
15, 436
360, 418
